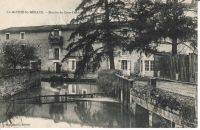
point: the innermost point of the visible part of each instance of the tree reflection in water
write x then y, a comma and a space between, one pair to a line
56, 112
13, 110
98, 114
94, 114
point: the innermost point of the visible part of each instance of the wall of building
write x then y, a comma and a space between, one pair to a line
131, 60
135, 62
38, 40
43, 49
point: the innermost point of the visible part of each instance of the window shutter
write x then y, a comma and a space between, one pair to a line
51, 54
60, 33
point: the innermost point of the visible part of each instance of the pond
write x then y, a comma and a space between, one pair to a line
68, 114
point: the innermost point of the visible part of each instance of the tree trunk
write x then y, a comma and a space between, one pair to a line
14, 66
174, 46
109, 45
111, 58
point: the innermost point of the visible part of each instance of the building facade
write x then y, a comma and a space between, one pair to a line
50, 42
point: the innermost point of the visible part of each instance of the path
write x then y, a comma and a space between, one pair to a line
185, 89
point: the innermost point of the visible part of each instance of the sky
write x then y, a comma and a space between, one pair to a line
8, 19
63, 12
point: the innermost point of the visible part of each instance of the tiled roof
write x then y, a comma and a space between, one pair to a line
45, 28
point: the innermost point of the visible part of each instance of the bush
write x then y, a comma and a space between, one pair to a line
107, 80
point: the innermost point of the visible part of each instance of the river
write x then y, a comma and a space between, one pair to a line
68, 114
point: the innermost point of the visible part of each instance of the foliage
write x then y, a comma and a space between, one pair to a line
153, 22
16, 54
96, 36
169, 101
107, 80
176, 24
141, 25
145, 36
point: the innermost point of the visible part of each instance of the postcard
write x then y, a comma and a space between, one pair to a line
98, 64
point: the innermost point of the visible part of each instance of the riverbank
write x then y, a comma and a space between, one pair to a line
17, 82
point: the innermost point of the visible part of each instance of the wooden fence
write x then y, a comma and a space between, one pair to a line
179, 67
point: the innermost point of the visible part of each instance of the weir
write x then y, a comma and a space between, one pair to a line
47, 99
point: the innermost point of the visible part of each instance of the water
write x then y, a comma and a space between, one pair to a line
94, 114
82, 113
74, 114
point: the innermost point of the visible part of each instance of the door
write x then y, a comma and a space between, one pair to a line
58, 67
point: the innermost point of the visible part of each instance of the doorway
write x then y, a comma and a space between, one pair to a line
58, 67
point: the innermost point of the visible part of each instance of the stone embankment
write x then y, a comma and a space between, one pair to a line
155, 95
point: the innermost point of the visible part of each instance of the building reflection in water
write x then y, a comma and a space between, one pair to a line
73, 88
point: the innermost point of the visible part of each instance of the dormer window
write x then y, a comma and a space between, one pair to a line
22, 35
56, 32
7, 36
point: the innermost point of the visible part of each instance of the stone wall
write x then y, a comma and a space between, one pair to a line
177, 108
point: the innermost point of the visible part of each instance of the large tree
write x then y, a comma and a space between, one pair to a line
152, 21
98, 32
143, 17
177, 23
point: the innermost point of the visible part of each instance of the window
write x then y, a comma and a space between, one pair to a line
146, 65
33, 65
7, 36
22, 35
84, 91
124, 65
56, 53
151, 65
73, 64
58, 67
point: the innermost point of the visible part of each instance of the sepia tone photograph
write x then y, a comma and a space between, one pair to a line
98, 64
